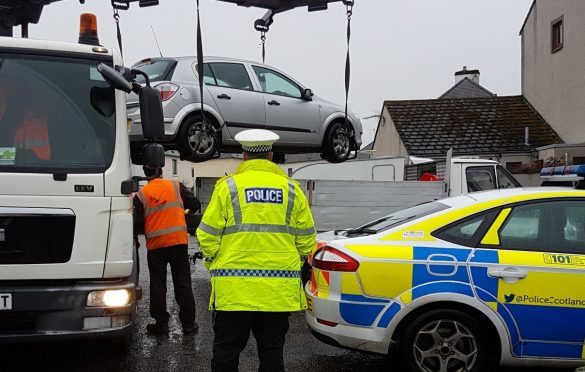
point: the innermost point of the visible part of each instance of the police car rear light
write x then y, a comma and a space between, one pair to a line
326, 322
330, 259
310, 256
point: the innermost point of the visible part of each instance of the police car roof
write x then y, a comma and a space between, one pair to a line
528, 192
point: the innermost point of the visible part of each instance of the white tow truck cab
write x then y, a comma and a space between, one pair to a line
68, 264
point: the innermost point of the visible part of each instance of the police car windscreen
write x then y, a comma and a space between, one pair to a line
57, 114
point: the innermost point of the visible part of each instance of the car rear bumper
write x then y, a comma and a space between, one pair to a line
59, 311
369, 339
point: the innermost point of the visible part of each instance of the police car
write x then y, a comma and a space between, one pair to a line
461, 284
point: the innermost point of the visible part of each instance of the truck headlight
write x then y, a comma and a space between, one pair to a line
109, 298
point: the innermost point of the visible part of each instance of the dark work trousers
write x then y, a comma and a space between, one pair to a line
177, 257
232, 330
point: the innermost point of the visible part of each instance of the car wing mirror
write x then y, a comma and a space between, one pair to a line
307, 95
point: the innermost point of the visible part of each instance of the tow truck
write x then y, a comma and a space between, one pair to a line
68, 262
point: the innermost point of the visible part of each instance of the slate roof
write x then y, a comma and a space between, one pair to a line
465, 88
470, 125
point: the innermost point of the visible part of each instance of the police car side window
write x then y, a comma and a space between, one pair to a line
552, 226
467, 231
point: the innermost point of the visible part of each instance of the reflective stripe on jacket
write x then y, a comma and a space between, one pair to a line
34, 135
164, 217
253, 234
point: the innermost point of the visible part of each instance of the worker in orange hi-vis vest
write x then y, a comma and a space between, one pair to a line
33, 134
159, 208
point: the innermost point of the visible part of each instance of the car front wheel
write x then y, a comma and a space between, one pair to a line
196, 140
445, 341
338, 142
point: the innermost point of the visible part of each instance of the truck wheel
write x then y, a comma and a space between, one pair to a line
444, 341
338, 143
194, 141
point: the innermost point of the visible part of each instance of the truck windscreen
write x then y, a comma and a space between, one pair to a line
57, 115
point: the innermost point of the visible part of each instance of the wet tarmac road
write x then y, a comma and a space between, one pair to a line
179, 353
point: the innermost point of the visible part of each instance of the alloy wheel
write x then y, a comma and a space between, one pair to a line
445, 346
341, 142
201, 140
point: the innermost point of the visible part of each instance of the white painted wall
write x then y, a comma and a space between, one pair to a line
554, 83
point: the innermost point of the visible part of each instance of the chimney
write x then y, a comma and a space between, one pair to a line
472, 75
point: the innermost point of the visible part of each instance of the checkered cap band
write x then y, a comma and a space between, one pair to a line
257, 149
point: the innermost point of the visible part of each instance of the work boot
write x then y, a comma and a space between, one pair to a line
190, 329
157, 328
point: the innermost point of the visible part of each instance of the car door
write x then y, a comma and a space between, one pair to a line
239, 104
295, 120
530, 269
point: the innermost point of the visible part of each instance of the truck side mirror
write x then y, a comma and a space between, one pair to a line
151, 114
114, 78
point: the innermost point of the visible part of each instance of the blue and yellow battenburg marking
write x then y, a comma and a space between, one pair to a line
534, 309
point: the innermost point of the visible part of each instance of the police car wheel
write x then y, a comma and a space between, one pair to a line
444, 341
338, 143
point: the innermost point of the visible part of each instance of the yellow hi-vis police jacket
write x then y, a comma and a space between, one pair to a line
253, 234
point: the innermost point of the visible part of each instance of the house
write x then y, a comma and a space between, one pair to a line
553, 72
467, 118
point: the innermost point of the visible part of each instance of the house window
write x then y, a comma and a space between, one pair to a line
557, 35
174, 167
192, 172
578, 160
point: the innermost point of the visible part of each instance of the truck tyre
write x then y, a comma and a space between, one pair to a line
444, 340
338, 142
193, 133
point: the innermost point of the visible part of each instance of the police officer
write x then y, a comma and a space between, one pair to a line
254, 234
159, 207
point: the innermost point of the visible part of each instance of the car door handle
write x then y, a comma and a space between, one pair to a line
273, 103
508, 273
224, 96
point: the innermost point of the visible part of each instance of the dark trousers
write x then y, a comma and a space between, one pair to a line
178, 258
232, 330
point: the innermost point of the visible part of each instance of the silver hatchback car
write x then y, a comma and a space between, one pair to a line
240, 95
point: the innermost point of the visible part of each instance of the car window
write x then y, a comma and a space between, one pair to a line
229, 75
467, 231
505, 179
554, 226
275, 83
480, 178
208, 78
157, 70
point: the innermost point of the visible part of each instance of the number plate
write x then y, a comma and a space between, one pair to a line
5, 301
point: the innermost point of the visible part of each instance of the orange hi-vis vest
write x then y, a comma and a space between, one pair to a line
164, 216
33, 134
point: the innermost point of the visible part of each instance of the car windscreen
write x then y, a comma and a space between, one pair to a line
398, 218
57, 115
156, 69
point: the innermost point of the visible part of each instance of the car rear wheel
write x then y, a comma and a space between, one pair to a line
338, 142
444, 341
196, 141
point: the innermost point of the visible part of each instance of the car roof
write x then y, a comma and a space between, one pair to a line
205, 58
516, 193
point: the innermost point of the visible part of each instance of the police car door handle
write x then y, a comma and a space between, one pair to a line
508, 273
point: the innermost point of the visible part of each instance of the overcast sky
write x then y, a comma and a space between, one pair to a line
401, 49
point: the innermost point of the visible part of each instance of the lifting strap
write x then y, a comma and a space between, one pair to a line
200, 73
349, 6
117, 5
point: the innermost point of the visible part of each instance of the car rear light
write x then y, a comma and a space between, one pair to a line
330, 259
167, 90
310, 255
326, 322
